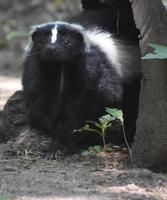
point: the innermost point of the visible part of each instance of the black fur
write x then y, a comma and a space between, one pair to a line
64, 85
116, 16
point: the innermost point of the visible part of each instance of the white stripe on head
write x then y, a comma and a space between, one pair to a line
55, 31
54, 34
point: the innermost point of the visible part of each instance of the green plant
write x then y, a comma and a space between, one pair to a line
93, 150
119, 115
100, 127
160, 52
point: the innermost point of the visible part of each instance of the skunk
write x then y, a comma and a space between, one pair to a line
71, 73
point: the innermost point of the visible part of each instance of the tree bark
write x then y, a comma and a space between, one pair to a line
150, 144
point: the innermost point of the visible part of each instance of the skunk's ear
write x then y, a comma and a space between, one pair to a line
34, 35
34, 32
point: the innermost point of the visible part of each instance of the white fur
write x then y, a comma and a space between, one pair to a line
54, 35
72, 25
107, 45
61, 81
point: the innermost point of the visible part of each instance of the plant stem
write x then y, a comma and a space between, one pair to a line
126, 142
104, 143
104, 147
92, 130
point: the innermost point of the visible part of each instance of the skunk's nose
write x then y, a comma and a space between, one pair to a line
51, 48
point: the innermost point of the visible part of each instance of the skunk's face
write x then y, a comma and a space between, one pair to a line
60, 42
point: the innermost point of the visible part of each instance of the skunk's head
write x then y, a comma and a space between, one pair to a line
59, 41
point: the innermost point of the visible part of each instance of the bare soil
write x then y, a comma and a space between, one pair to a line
27, 176
76, 178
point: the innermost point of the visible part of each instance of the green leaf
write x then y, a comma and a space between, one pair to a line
160, 52
105, 119
85, 153
115, 113
86, 127
97, 148
94, 123
98, 125
15, 34
109, 149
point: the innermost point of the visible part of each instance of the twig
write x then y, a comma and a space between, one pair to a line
127, 144
118, 22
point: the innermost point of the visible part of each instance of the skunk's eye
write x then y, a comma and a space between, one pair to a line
66, 42
42, 41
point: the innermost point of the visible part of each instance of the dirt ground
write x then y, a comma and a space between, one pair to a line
28, 177
77, 179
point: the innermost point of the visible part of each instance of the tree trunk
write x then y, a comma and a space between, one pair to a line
150, 145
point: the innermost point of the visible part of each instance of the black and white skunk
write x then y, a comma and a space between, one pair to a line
71, 73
